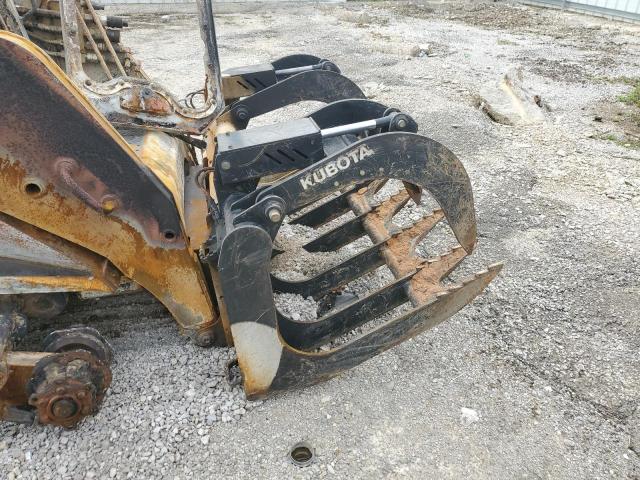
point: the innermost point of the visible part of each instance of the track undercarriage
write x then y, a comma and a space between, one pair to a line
124, 184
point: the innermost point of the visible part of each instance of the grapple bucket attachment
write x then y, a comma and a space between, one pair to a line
277, 353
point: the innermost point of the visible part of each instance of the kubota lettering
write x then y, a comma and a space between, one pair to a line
332, 168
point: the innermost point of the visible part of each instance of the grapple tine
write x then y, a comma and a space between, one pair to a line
353, 229
398, 251
401, 248
375, 186
360, 203
414, 191
334, 277
337, 206
298, 369
337, 237
324, 213
307, 335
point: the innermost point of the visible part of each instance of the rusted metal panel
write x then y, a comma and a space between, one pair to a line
195, 211
20, 367
19, 246
165, 156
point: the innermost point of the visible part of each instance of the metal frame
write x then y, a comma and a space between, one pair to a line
587, 8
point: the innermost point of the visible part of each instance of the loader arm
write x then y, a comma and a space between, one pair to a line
67, 171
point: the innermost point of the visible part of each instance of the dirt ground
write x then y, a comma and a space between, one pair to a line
538, 378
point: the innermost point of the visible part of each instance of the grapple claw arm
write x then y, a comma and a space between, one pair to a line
271, 352
405, 156
301, 369
246, 80
318, 85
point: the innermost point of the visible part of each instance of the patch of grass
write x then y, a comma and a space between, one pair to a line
619, 79
623, 142
633, 97
502, 41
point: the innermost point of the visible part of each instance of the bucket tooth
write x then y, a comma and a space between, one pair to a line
426, 282
401, 255
443, 265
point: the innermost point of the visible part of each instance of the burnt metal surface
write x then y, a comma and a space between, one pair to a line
108, 74
34, 101
102, 55
10, 18
140, 232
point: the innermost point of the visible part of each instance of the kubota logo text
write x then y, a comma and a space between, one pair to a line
332, 168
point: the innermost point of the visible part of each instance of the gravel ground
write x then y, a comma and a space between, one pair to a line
538, 378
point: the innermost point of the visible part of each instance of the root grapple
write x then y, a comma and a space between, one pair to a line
108, 181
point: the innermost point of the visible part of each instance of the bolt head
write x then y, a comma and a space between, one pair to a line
241, 112
402, 123
225, 165
109, 204
205, 338
274, 214
64, 408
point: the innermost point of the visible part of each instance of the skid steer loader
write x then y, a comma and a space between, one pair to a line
106, 178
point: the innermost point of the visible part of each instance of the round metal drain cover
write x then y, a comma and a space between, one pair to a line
302, 454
